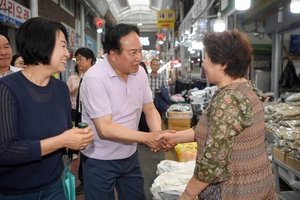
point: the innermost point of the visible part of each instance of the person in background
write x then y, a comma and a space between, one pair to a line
232, 160
114, 93
73, 84
6, 56
157, 83
143, 123
85, 59
144, 66
35, 116
17, 61
156, 80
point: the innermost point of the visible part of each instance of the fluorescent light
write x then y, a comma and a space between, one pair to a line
295, 6
242, 4
139, 24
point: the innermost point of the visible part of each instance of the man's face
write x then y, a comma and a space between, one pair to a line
155, 66
128, 61
83, 63
5, 52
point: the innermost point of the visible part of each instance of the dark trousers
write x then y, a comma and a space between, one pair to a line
102, 176
80, 173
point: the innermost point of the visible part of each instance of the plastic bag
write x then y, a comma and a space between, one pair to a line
289, 78
68, 182
171, 166
169, 195
170, 182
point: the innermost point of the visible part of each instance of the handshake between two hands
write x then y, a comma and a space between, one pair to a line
161, 140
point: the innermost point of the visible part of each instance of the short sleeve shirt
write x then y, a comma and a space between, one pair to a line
229, 113
103, 92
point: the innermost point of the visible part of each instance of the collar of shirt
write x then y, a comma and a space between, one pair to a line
11, 70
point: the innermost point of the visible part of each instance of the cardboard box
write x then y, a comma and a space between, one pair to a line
179, 124
292, 163
186, 151
279, 155
180, 111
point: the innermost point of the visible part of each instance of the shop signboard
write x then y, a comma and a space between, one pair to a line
73, 36
165, 18
13, 13
148, 40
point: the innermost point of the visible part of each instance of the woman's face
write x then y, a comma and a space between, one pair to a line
60, 53
214, 72
19, 62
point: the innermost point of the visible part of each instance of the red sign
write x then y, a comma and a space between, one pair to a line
175, 61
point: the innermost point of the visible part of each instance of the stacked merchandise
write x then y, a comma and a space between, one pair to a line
179, 116
177, 98
199, 100
283, 119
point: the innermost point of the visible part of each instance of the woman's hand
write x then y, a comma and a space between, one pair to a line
78, 139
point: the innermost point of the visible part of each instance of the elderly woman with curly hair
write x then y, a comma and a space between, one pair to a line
232, 160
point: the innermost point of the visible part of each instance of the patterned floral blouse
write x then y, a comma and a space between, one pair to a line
229, 113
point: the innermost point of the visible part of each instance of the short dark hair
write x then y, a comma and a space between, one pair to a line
144, 66
35, 39
114, 35
76, 69
153, 60
231, 48
87, 53
1, 33
14, 58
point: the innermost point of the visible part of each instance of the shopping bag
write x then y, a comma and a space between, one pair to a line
68, 182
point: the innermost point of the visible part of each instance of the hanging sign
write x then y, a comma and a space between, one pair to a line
73, 36
165, 18
13, 13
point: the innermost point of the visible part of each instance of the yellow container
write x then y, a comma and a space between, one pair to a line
186, 151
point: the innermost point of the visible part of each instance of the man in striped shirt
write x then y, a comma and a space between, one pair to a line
156, 81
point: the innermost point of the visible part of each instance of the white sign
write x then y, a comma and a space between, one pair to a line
145, 41
13, 13
73, 36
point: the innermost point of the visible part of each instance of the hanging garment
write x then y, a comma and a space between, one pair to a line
289, 78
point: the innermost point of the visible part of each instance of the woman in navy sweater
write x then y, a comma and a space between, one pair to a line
35, 116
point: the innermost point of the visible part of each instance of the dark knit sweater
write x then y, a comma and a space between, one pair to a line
28, 114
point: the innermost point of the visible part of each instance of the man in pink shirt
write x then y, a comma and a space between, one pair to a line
114, 93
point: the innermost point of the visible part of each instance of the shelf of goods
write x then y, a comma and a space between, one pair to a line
286, 169
283, 121
180, 118
285, 195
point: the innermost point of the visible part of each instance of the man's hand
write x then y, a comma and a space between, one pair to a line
167, 139
157, 143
